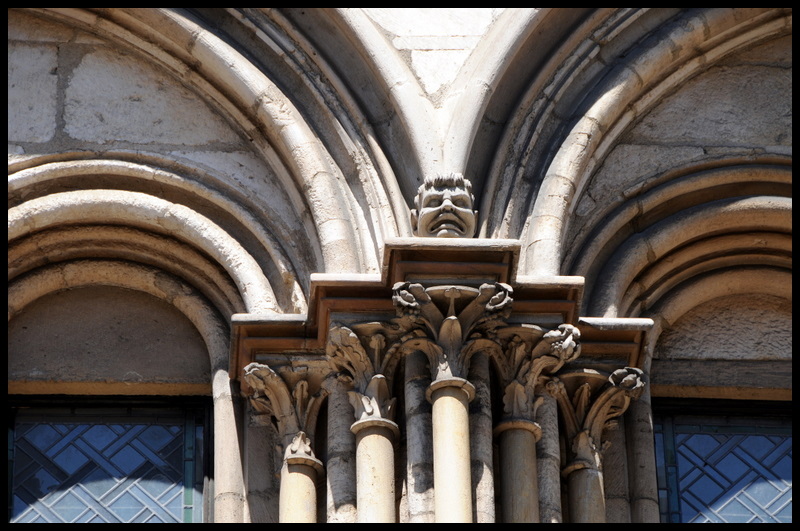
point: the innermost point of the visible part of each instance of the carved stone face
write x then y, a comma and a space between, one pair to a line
444, 212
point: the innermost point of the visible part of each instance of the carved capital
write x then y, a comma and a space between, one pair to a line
529, 354
585, 454
519, 402
374, 402
589, 404
299, 452
347, 354
288, 401
370, 397
453, 322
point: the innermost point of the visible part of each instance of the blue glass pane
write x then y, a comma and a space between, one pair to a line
70, 459
725, 473
95, 471
99, 436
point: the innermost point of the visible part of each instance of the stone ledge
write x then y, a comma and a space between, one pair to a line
749, 380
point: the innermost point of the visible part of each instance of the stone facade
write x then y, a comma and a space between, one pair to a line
430, 265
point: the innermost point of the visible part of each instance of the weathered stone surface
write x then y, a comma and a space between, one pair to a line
192, 190
754, 327
123, 336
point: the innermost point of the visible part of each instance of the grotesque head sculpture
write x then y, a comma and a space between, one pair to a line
444, 208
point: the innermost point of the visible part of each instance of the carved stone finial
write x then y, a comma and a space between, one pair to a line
299, 452
444, 208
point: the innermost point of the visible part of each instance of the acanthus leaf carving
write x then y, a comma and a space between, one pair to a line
591, 409
530, 353
294, 409
453, 335
346, 353
370, 396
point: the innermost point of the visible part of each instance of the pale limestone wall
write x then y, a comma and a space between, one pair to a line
434, 41
97, 336
73, 96
752, 327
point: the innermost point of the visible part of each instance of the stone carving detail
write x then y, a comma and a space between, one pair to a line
294, 409
528, 355
299, 451
450, 337
371, 398
585, 416
444, 208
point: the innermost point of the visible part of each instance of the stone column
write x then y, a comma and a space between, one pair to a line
374, 430
527, 355
299, 476
449, 334
452, 469
549, 461
482, 452
340, 465
419, 437
644, 488
616, 473
375, 470
519, 473
229, 481
262, 474
295, 412
587, 503
586, 406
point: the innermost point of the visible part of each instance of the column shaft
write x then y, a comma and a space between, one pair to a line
644, 489
229, 484
298, 498
549, 457
482, 441
419, 453
375, 472
340, 466
587, 503
451, 455
519, 476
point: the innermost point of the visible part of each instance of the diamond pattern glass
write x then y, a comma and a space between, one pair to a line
717, 471
107, 468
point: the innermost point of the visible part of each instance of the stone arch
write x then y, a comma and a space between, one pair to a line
276, 124
704, 344
755, 280
144, 211
231, 213
619, 89
711, 218
54, 278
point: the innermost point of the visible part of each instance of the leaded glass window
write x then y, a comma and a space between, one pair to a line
90, 464
724, 468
